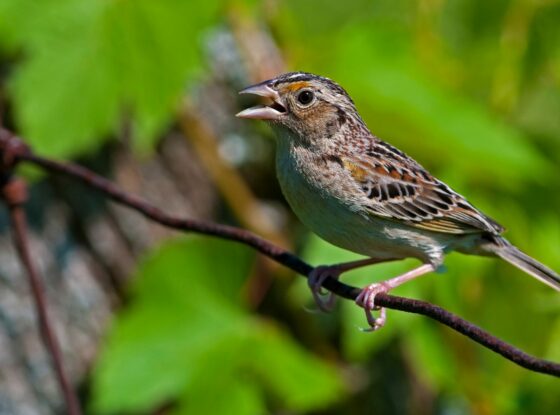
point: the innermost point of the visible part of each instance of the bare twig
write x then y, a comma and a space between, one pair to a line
278, 254
14, 192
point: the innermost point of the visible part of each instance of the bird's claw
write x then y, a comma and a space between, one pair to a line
366, 300
315, 281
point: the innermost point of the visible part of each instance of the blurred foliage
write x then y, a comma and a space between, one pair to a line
470, 88
87, 63
187, 338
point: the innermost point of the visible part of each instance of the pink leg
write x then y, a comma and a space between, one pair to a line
366, 299
320, 274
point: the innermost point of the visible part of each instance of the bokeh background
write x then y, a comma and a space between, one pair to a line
153, 322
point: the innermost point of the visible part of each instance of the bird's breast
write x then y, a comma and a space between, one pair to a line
323, 200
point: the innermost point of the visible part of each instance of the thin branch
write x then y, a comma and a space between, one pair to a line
21, 152
14, 193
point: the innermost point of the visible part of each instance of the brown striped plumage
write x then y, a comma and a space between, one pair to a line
360, 193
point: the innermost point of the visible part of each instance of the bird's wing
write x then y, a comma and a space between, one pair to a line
396, 187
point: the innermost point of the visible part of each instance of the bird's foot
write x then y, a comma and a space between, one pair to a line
315, 281
366, 300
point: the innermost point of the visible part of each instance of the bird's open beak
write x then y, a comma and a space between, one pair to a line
272, 111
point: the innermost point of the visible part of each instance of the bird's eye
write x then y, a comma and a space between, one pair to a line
305, 97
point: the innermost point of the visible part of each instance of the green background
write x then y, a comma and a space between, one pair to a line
470, 88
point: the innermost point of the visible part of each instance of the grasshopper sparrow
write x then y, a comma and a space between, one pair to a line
362, 194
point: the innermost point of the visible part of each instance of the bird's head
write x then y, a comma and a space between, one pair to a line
310, 106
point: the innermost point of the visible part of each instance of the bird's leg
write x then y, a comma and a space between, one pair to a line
366, 299
320, 274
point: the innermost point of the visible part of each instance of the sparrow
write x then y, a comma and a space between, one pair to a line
364, 195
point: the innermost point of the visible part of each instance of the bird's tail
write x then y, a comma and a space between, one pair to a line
505, 250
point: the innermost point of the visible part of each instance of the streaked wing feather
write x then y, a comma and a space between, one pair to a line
400, 189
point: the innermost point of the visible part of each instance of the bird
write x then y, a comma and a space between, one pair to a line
362, 194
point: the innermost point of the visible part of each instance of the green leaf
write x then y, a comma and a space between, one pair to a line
221, 370
231, 393
300, 382
186, 333
65, 101
87, 63
180, 308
